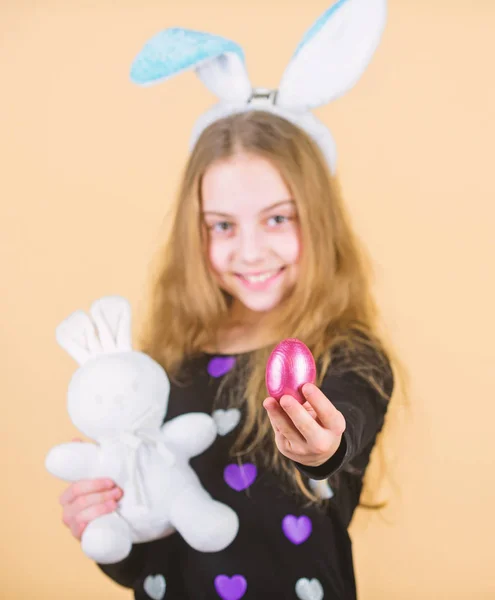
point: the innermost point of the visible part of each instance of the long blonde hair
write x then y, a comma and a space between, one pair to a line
331, 304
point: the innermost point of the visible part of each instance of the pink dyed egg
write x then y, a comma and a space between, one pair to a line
289, 367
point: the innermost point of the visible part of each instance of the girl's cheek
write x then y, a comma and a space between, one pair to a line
219, 255
289, 246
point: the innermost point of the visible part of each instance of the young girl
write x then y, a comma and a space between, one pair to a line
260, 250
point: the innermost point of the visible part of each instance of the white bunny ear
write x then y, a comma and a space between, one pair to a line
333, 54
226, 76
218, 62
108, 330
112, 317
77, 336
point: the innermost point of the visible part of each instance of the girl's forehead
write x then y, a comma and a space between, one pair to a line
242, 184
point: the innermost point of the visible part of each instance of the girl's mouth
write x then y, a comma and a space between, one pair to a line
259, 280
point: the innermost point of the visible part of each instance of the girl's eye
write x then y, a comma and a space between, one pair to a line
221, 227
278, 220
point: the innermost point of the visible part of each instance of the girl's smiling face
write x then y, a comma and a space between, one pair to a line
252, 231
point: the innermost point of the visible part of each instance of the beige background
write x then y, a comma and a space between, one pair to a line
88, 165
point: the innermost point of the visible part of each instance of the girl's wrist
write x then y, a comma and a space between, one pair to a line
328, 467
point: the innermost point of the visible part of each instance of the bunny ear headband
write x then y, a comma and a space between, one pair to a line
330, 59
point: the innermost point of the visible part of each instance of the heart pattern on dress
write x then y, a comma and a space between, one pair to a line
155, 586
226, 420
309, 589
239, 477
297, 529
220, 365
321, 488
230, 588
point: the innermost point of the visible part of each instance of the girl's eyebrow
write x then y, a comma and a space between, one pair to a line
271, 207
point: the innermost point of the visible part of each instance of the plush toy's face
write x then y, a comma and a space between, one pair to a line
118, 392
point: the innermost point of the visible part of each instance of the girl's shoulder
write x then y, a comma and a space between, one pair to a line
362, 357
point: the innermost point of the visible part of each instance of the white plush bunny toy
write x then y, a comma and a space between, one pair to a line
118, 397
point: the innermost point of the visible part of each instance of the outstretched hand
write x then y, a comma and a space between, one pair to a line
308, 433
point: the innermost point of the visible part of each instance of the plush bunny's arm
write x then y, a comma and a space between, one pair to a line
73, 461
192, 433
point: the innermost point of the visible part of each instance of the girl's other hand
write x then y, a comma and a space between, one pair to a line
87, 499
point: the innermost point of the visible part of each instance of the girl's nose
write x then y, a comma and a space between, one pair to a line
250, 246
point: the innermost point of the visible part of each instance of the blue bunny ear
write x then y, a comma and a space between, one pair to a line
333, 54
174, 50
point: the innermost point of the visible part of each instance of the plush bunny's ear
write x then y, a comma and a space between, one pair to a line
333, 54
77, 336
108, 330
112, 317
218, 62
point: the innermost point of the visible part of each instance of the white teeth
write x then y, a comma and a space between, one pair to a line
259, 278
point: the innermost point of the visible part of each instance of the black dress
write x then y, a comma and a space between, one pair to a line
285, 549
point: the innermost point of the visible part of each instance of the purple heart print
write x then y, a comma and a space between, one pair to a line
297, 530
220, 365
239, 477
230, 588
